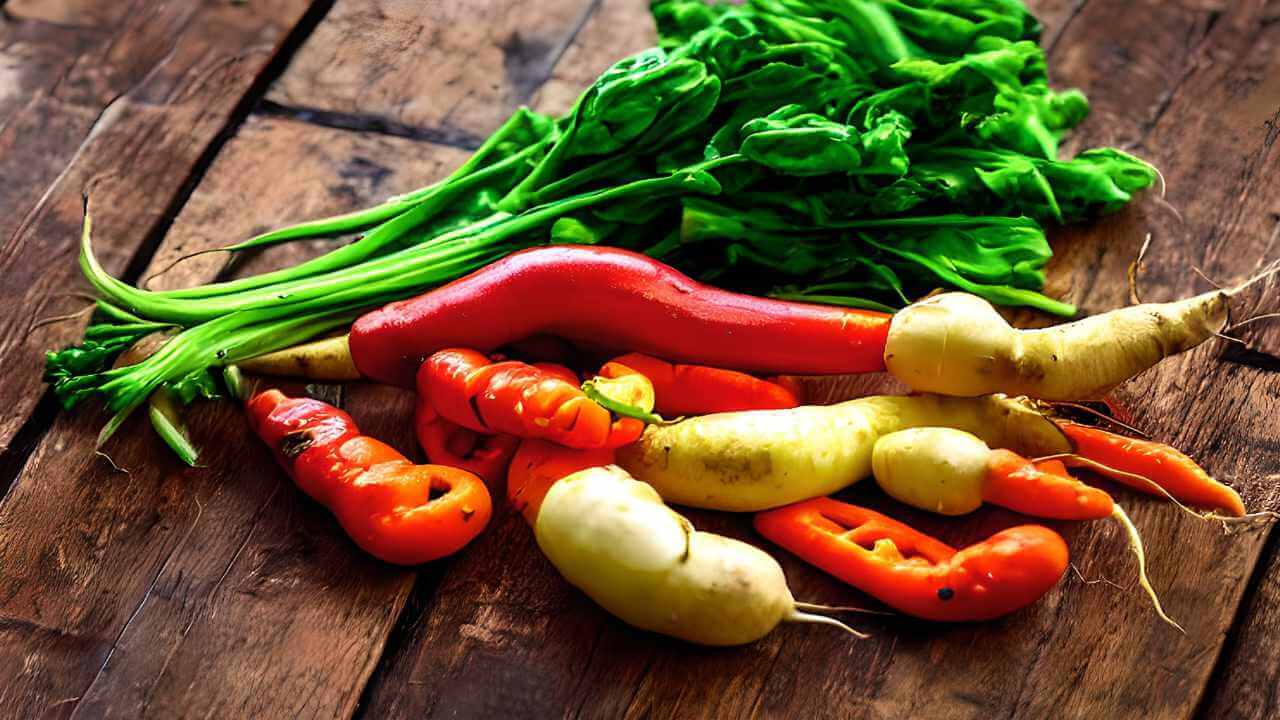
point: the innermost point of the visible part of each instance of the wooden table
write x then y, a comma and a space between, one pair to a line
220, 591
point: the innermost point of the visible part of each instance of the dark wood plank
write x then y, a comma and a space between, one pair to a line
218, 590
126, 109
505, 636
456, 68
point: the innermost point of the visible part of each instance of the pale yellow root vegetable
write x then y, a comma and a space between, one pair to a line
761, 459
613, 538
957, 344
328, 359
952, 472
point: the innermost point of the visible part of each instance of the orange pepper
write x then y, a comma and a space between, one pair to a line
394, 510
515, 398
913, 572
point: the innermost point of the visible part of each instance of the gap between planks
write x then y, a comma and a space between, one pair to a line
1226, 650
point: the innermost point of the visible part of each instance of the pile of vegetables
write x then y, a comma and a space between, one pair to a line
848, 152
591, 465
755, 195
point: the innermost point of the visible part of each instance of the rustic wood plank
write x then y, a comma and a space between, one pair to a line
150, 590
127, 110
218, 590
503, 635
457, 68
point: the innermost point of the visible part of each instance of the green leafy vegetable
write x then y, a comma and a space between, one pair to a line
854, 152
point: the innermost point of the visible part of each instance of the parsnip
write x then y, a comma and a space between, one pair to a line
613, 538
957, 344
755, 460
327, 359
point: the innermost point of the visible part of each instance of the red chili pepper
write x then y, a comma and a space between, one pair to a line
526, 401
621, 299
538, 465
701, 390
396, 511
1155, 466
447, 443
913, 572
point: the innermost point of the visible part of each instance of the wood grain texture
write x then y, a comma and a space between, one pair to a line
502, 636
222, 591
218, 590
124, 110
456, 68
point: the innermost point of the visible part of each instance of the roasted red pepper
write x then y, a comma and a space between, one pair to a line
538, 465
525, 401
396, 511
616, 298
447, 443
913, 572
700, 390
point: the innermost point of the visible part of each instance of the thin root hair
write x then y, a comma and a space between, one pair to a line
61, 318
802, 617
1135, 544
1103, 416
1108, 581
1134, 268
111, 462
146, 282
813, 607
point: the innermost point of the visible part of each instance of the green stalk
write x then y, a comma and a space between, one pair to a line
411, 266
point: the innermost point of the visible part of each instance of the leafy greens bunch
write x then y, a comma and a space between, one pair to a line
855, 152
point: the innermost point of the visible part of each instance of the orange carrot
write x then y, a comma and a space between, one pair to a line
1162, 466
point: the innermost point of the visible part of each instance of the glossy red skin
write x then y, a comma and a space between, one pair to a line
383, 501
995, 577
616, 298
447, 443
700, 390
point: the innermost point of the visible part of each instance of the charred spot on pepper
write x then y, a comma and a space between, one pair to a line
946, 593
297, 442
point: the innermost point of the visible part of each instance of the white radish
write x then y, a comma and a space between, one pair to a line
613, 538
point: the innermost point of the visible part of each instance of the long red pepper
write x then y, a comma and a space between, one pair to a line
394, 510
616, 298
913, 572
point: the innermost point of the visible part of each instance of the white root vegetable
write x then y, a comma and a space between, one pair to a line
612, 537
941, 470
327, 359
957, 344
761, 459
